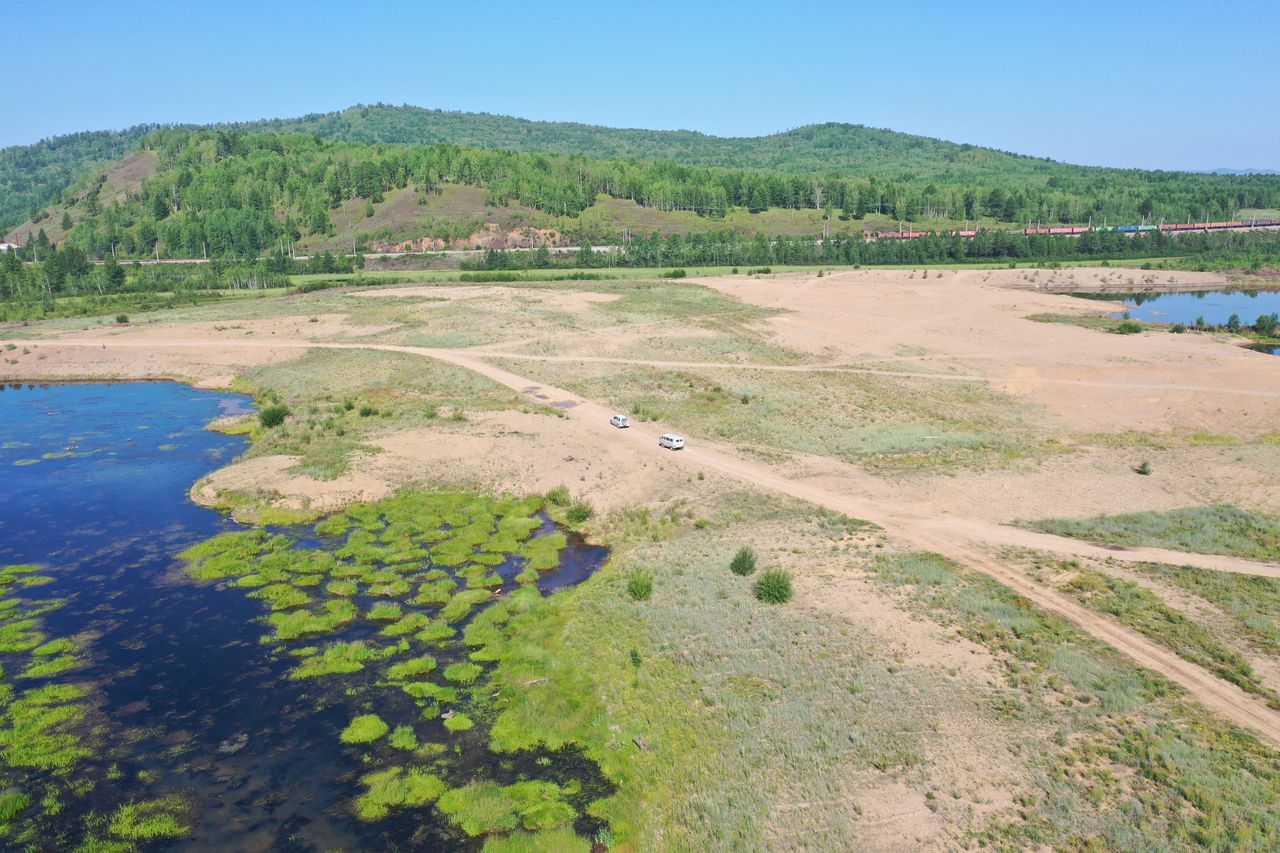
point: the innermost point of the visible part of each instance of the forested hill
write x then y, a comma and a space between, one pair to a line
233, 193
33, 176
844, 149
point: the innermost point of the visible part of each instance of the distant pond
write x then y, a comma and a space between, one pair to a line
1214, 306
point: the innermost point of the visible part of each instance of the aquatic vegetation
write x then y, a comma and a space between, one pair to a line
151, 820
12, 803
410, 623
365, 728
462, 603
459, 723
385, 611
396, 787
302, 623
393, 569
463, 673
483, 807
281, 596
37, 728
403, 737
227, 554
543, 553
435, 592
410, 668
343, 588
558, 840
50, 667
338, 658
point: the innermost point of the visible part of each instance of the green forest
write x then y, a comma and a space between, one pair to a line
254, 183
232, 193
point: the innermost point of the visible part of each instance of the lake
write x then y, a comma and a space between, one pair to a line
183, 689
1215, 306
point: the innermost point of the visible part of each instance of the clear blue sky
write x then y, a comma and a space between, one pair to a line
1170, 84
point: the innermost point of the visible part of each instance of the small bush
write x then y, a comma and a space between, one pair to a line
578, 512
640, 586
559, 496
122, 318
367, 411
1127, 327
676, 273
773, 587
1143, 468
635, 658
744, 562
273, 415
1177, 328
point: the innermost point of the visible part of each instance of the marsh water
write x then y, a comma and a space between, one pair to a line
95, 482
1214, 306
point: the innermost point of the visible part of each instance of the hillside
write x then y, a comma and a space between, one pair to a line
34, 176
831, 148
235, 191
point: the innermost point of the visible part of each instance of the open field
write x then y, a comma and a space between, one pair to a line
942, 675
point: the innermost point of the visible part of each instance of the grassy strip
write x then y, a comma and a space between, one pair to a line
1215, 529
1142, 610
1135, 767
1252, 603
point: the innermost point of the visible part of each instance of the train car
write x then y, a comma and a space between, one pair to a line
1147, 228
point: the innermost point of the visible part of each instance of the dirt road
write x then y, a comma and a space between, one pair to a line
956, 538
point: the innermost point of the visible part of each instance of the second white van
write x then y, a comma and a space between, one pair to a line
671, 441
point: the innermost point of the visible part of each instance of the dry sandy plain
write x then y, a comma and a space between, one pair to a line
927, 404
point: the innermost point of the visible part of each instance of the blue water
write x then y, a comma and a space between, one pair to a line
1215, 306
93, 488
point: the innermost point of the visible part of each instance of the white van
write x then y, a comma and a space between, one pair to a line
620, 421
671, 441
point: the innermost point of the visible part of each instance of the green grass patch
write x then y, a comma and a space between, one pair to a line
365, 728
1215, 529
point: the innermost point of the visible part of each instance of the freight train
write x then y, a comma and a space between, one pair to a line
1069, 231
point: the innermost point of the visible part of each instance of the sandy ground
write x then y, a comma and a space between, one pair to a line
968, 324
502, 451
973, 323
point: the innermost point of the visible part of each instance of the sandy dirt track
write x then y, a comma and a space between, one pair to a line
960, 539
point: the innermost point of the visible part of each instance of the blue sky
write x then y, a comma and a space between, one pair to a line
1169, 84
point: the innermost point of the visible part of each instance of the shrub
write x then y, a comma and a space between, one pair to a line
367, 411
640, 586
122, 318
635, 658
559, 496
1144, 468
273, 415
744, 562
676, 273
1177, 328
578, 512
1127, 327
773, 587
